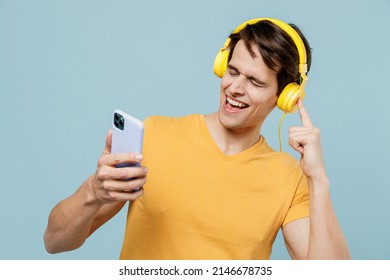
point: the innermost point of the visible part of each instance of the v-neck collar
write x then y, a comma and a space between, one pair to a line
259, 145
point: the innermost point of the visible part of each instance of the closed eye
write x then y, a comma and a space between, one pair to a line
232, 70
257, 84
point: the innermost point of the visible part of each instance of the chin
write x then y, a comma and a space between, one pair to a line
229, 122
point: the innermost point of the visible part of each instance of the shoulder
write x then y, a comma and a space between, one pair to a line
281, 162
282, 158
169, 133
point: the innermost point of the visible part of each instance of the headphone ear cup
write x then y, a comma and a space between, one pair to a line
289, 96
220, 62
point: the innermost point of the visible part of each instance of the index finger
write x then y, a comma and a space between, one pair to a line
306, 121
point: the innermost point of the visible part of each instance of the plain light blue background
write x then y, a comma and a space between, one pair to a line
66, 65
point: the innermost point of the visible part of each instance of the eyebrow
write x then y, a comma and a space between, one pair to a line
252, 78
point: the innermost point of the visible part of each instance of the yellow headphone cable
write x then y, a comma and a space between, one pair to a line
279, 129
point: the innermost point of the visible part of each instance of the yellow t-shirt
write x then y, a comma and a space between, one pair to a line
201, 204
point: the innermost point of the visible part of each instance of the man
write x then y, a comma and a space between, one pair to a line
215, 189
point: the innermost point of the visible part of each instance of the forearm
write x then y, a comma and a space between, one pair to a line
70, 222
326, 240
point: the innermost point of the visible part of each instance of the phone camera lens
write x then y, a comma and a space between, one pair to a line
119, 121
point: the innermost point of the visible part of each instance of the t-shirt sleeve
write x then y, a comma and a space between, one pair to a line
299, 207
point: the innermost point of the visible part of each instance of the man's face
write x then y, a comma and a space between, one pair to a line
248, 90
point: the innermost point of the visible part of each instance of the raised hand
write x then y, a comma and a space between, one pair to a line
306, 140
110, 184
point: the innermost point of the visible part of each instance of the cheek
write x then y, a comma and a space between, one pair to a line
226, 81
264, 101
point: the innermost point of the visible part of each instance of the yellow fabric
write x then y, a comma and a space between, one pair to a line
201, 204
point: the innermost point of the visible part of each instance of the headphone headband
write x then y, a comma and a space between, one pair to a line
289, 30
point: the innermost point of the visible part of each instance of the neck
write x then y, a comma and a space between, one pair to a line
231, 141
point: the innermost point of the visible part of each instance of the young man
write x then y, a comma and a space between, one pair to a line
215, 189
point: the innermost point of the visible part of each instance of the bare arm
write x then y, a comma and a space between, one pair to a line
317, 237
97, 200
320, 236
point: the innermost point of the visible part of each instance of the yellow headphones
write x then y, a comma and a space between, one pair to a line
289, 96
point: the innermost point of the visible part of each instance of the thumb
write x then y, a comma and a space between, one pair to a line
107, 148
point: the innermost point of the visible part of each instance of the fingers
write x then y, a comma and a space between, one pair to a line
115, 159
300, 137
112, 173
121, 190
124, 186
306, 121
113, 184
295, 140
111, 196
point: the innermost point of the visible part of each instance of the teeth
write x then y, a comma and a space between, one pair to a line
236, 103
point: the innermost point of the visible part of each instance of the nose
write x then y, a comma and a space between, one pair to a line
237, 87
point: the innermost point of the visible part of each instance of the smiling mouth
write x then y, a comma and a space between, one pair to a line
236, 104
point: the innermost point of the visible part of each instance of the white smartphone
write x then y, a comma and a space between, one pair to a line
127, 135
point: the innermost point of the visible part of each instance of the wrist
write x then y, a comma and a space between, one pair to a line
317, 176
318, 184
320, 180
90, 193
